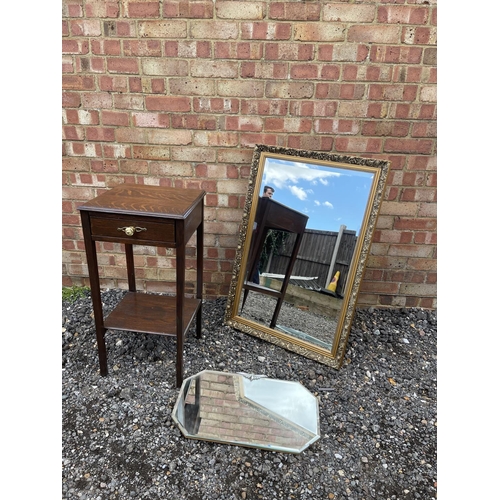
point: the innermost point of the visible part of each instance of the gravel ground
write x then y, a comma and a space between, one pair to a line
378, 417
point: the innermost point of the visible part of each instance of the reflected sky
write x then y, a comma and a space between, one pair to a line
330, 196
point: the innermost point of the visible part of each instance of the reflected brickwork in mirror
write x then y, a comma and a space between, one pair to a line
247, 410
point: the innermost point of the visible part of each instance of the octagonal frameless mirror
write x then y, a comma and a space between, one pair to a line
247, 410
302, 252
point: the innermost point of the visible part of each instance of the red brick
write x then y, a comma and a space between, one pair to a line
100, 8
76, 164
238, 50
431, 278
339, 91
151, 152
135, 84
252, 124
310, 143
85, 27
424, 251
375, 110
215, 105
358, 145
427, 112
408, 146
75, 47
100, 134
431, 180
426, 238
392, 92
143, 9
263, 70
392, 193
386, 128
167, 103
72, 9
113, 83
379, 287
287, 11
289, 51
348, 52
206, 30
250, 140
78, 82
422, 163
424, 130
72, 133
396, 54
189, 49
71, 100
158, 85
114, 118
194, 122
202, 9
266, 31
333, 126
90, 65
106, 47
142, 48
128, 101
303, 71
266, 107
104, 166
403, 14
373, 34
123, 65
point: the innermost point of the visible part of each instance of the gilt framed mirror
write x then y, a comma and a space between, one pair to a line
305, 236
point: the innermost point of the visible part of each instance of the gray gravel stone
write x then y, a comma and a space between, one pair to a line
378, 415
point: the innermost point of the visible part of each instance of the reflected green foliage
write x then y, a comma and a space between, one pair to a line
273, 243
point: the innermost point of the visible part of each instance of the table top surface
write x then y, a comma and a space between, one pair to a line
155, 201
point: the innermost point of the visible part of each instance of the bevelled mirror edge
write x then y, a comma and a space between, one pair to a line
333, 357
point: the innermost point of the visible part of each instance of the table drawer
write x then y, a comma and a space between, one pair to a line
139, 231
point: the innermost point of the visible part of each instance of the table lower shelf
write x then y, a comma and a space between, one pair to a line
147, 313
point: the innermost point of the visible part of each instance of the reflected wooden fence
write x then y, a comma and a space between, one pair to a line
317, 256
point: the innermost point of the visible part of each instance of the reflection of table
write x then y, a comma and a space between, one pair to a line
247, 410
273, 215
151, 216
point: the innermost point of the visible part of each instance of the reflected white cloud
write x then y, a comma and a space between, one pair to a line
280, 173
298, 192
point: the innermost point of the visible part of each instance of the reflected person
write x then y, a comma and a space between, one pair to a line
267, 193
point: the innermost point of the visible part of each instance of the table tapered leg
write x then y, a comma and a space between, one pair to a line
180, 272
90, 250
199, 274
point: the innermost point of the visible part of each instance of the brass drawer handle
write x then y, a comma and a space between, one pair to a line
130, 230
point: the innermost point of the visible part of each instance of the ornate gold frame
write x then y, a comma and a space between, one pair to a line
333, 358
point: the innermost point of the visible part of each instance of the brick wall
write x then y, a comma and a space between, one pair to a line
177, 93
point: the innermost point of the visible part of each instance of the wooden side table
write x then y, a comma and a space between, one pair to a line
151, 216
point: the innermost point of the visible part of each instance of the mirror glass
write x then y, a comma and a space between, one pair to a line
305, 237
247, 410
